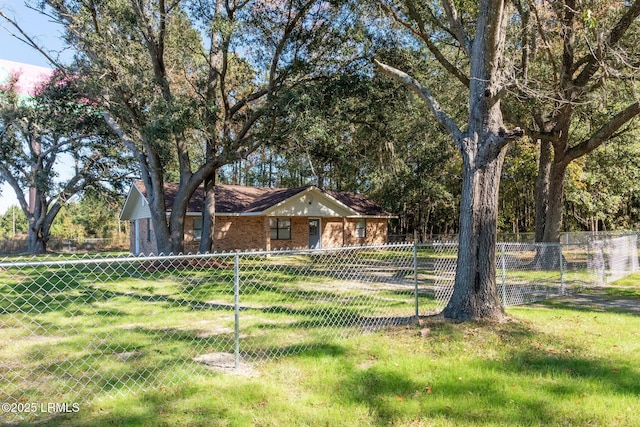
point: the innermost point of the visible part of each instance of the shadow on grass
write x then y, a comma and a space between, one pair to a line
610, 300
337, 311
616, 377
80, 379
309, 349
613, 292
354, 320
49, 291
524, 387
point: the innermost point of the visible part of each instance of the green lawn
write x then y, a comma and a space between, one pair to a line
123, 349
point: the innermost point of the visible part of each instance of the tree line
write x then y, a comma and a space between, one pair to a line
90, 217
428, 107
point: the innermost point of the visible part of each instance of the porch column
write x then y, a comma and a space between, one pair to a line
136, 237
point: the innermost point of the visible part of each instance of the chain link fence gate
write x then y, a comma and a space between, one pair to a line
75, 329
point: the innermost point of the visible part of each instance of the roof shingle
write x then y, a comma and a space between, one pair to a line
237, 199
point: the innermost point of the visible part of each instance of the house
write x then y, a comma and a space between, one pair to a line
251, 218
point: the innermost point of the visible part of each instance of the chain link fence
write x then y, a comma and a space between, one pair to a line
525, 272
82, 328
613, 258
86, 245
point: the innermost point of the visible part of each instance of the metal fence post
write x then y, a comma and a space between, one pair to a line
415, 277
603, 280
504, 277
562, 290
236, 308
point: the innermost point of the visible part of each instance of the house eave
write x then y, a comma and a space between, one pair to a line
372, 216
229, 214
127, 206
269, 211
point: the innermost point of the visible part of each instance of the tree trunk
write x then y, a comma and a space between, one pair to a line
208, 215
549, 254
483, 148
176, 226
542, 188
178, 214
553, 218
578, 82
475, 294
155, 194
40, 223
37, 243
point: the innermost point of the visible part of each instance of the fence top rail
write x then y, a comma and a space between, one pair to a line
93, 259
537, 244
448, 244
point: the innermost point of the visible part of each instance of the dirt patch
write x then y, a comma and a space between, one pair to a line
126, 356
226, 362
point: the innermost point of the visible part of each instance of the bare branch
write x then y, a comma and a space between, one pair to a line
545, 41
247, 99
124, 137
17, 189
28, 40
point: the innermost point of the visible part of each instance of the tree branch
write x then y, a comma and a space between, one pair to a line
421, 34
15, 185
441, 116
26, 39
604, 133
124, 137
615, 35
456, 26
244, 101
545, 41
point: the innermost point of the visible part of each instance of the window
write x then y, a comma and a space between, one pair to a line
361, 228
197, 228
280, 228
314, 227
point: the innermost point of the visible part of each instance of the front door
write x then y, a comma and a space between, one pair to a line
314, 233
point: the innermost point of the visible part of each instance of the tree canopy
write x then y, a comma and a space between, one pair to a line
39, 135
184, 84
575, 88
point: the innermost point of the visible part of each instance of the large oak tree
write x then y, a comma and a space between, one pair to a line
54, 129
478, 35
184, 83
576, 88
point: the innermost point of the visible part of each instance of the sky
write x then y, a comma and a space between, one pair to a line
38, 26
47, 34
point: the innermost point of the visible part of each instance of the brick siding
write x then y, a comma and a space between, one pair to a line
241, 233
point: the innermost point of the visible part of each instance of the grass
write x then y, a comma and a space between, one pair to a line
546, 366
79, 336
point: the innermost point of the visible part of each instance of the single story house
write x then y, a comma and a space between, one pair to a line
251, 218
